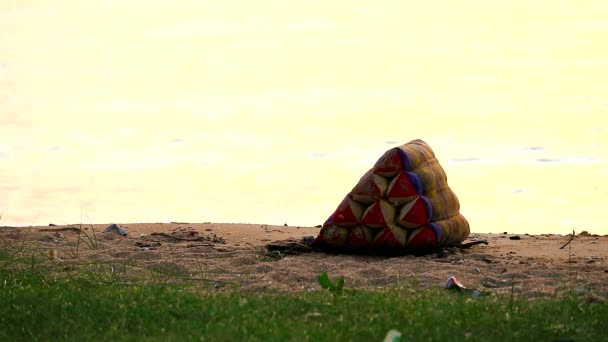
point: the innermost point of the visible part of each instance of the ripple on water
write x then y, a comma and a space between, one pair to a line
534, 148
465, 160
576, 160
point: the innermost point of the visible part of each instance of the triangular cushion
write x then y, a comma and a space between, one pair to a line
402, 204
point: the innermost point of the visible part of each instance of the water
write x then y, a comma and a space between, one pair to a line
270, 113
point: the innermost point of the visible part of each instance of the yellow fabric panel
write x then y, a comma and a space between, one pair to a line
444, 203
454, 230
417, 152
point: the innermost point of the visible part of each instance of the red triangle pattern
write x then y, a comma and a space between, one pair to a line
389, 164
348, 213
387, 238
422, 238
414, 214
401, 189
373, 216
367, 190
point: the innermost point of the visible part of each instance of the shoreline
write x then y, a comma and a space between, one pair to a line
146, 226
235, 253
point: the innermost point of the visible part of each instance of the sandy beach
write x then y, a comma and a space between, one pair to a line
270, 113
230, 254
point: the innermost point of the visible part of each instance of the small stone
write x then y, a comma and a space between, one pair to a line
113, 228
489, 283
477, 270
515, 237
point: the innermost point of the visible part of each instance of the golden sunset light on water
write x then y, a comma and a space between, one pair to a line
271, 111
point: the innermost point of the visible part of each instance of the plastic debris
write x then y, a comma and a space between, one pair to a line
455, 284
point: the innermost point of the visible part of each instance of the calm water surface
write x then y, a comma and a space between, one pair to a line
270, 112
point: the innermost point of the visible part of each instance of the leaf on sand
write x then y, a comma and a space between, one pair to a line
324, 281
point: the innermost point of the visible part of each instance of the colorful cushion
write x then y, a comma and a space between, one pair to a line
403, 204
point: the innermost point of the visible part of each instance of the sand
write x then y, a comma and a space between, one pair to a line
226, 255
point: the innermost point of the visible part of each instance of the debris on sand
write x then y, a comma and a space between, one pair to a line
113, 228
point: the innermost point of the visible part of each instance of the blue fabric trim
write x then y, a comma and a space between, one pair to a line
416, 182
428, 207
407, 163
437, 230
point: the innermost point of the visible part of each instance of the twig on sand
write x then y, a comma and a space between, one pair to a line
211, 239
200, 245
471, 244
75, 229
567, 243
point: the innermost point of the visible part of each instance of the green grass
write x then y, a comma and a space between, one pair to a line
36, 304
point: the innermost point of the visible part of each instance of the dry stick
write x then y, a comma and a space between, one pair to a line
76, 229
200, 238
471, 244
172, 237
200, 245
567, 243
